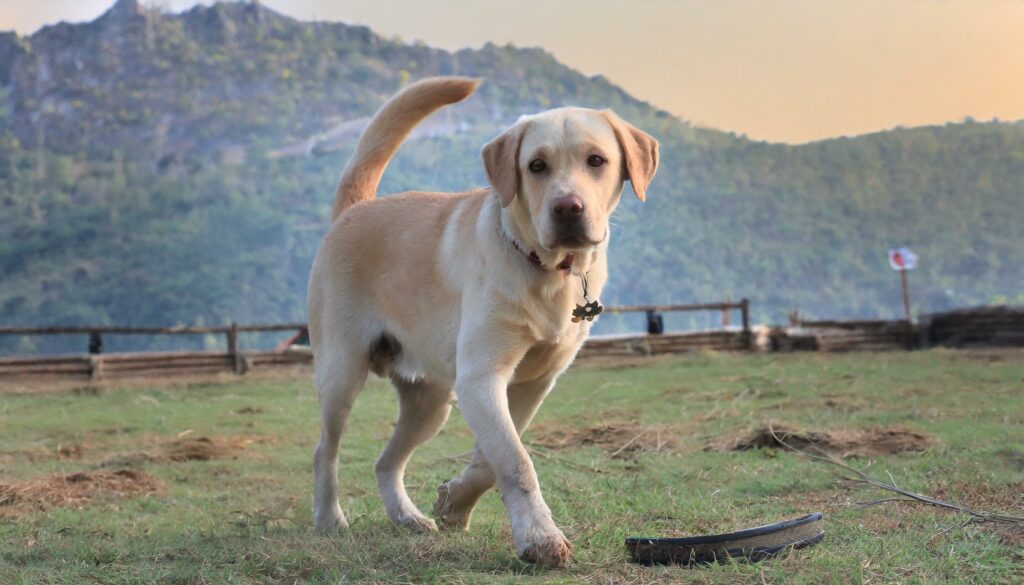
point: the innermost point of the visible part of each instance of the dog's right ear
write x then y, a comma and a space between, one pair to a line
501, 163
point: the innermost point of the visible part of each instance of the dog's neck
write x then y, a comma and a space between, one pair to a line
565, 266
553, 261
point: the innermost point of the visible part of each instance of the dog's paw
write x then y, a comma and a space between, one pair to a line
445, 510
550, 549
416, 523
331, 522
406, 515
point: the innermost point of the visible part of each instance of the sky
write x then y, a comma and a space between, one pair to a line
778, 70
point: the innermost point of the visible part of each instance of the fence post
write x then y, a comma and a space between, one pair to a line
96, 367
726, 320
748, 340
239, 365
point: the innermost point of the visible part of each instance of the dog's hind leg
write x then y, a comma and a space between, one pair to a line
423, 410
457, 498
339, 378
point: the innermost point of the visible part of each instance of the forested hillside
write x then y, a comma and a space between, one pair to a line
178, 169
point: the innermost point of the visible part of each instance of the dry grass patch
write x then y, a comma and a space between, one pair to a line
841, 442
619, 439
1002, 499
73, 490
982, 496
176, 449
204, 448
63, 452
181, 449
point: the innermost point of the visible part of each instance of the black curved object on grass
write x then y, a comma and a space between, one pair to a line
753, 544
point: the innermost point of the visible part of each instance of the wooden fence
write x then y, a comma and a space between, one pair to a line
984, 326
100, 366
130, 365
990, 327
999, 326
861, 335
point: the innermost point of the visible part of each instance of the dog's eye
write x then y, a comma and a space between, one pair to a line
537, 166
595, 160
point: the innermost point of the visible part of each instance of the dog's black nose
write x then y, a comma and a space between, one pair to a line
568, 208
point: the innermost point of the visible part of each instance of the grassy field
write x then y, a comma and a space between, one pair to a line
211, 483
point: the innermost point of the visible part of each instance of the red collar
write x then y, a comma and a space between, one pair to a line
564, 266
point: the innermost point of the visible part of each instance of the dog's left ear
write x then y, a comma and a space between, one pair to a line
501, 162
639, 153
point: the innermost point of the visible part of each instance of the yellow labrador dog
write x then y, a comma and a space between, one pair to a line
469, 293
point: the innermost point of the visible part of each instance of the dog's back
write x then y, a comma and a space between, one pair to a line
381, 311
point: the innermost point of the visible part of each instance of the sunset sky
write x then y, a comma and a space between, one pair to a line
781, 70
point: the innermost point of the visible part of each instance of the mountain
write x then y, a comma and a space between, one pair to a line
164, 168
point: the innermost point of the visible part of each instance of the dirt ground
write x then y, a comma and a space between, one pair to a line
847, 442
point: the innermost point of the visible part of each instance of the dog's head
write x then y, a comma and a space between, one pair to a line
562, 171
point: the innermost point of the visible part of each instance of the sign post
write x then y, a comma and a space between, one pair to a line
906, 295
903, 260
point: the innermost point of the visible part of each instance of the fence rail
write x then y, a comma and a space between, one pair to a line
114, 330
142, 364
231, 331
97, 365
723, 306
978, 327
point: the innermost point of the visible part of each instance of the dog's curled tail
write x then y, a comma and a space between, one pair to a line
386, 131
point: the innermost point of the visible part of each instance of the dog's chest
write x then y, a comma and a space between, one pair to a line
546, 311
550, 319
547, 358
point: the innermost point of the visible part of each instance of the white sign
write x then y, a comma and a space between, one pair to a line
902, 259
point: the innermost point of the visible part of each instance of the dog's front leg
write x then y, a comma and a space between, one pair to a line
484, 369
457, 498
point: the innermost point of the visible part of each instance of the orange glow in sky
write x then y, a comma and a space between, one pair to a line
780, 70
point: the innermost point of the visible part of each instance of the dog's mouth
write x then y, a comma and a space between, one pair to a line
566, 264
573, 245
576, 239
576, 242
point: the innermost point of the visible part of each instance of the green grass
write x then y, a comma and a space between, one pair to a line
247, 519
